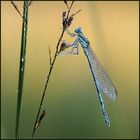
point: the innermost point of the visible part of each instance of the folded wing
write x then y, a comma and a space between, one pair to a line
104, 82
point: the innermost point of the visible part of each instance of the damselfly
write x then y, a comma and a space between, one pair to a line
101, 78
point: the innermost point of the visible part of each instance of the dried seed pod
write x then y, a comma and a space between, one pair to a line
69, 21
40, 118
64, 20
64, 24
50, 58
64, 46
42, 115
64, 15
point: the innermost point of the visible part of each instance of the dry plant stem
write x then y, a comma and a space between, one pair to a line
46, 84
22, 65
16, 8
50, 70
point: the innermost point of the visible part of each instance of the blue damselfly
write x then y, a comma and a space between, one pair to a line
101, 78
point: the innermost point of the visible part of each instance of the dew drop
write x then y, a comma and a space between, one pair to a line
22, 60
21, 69
24, 29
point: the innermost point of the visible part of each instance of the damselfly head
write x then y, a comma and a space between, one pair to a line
78, 30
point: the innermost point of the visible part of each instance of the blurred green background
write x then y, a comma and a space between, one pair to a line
71, 102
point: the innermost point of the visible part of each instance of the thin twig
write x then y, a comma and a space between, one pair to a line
70, 8
50, 70
30, 3
16, 8
76, 13
22, 66
66, 3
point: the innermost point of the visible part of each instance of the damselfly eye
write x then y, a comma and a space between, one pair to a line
78, 30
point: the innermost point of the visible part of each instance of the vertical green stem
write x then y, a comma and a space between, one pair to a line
22, 65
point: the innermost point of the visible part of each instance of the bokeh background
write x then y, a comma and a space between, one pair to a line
71, 102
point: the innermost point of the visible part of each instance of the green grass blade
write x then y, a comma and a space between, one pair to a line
22, 65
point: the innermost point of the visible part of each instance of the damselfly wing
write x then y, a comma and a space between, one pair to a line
104, 82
